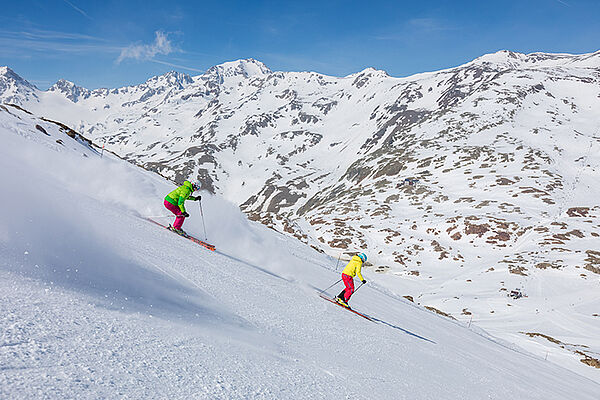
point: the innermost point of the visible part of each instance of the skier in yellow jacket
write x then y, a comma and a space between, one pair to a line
352, 269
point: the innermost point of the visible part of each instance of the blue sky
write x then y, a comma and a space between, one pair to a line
115, 43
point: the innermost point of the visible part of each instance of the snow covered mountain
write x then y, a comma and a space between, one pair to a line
505, 149
15, 89
97, 302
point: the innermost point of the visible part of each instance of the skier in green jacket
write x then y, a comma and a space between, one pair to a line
175, 202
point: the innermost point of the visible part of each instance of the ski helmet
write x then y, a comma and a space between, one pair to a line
362, 256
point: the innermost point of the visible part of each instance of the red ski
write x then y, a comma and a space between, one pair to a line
321, 295
189, 237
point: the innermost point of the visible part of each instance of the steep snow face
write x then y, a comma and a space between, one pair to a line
505, 149
14, 89
98, 302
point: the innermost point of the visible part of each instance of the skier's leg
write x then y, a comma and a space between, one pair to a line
349, 282
175, 210
342, 295
178, 221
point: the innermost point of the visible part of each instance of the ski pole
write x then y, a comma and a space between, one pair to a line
160, 216
356, 290
335, 283
202, 214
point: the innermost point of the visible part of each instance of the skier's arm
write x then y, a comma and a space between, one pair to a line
182, 200
358, 274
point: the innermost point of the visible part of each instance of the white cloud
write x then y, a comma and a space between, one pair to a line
161, 45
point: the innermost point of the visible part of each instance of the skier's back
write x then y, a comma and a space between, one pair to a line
352, 269
175, 202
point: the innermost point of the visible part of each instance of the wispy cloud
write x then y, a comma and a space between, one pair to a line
25, 43
177, 66
161, 45
48, 35
39, 43
564, 3
79, 10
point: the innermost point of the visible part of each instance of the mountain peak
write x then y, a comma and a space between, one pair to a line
506, 58
4, 70
172, 78
10, 75
511, 59
13, 88
63, 82
70, 90
247, 68
371, 71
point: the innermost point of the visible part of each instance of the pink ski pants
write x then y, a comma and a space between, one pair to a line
175, 210
349, 282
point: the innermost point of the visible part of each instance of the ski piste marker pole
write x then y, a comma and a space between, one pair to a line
103, 145
202, 214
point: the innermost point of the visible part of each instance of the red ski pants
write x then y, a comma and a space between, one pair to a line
349, 282
175, 210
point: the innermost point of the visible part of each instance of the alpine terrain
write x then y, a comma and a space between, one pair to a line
473, 190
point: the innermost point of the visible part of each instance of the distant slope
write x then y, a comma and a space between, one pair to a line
53, 134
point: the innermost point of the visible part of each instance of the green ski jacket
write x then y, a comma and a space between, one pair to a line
178, 196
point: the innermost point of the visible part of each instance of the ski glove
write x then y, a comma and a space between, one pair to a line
198, 198
185, 214
364, 281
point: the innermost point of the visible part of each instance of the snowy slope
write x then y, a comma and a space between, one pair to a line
99, 303
51, 134
506, 149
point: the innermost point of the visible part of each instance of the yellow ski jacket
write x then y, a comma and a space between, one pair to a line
353, 268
